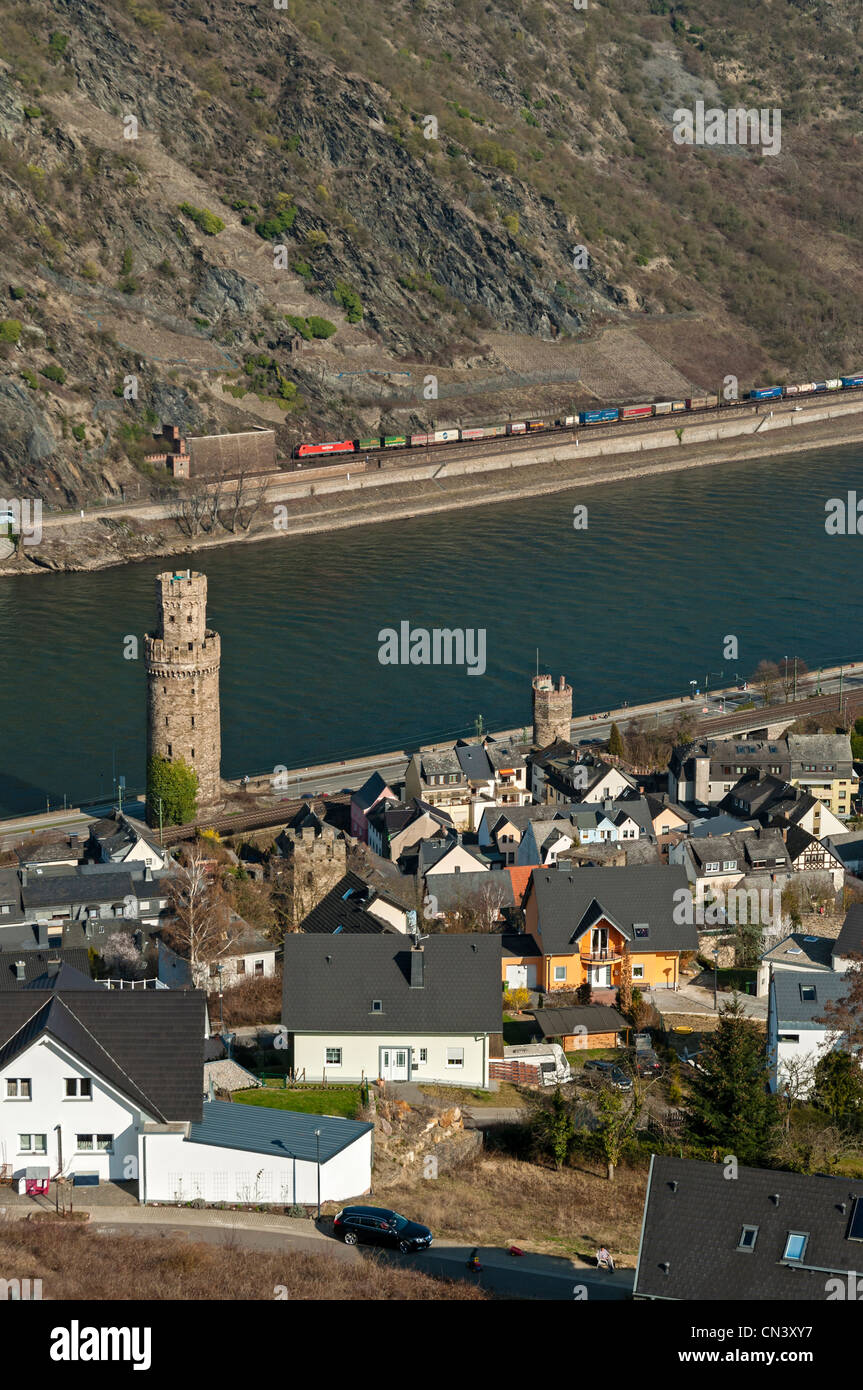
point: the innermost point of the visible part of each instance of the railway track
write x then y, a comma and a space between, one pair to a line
260, 819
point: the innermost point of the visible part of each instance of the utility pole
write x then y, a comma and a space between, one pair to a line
795, 680
161, 835
478, 726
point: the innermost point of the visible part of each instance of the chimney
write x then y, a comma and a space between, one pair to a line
417, 980
561, 685
53, 967
19, 969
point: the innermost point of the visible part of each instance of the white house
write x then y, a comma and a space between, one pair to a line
797, 1038
376, 1006
250, 956
119, 840
98, 1085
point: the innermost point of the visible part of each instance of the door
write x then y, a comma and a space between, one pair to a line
601, 975
394, 1063
516, 976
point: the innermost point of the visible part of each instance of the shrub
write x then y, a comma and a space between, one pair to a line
32, 112
10, 330
303, 268
280, 220
301, 325
79, 432
17, 291
57, 44
31, 379
206, 221
349, 300
54, 373
321, 328
173, 788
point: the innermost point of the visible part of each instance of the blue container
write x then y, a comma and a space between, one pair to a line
595, 417
765, 393
856, 380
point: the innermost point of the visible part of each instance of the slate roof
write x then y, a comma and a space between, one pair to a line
823, 750
474, 762
519, 944
370, 791
442, 761
453, 889
346, 908
802, 951
329, 985
149, 1044
642, 893
694, 1230
503, 755
86, 886
850, 938
595, 1018
657, 804
789, 987
798, 840
278, 1133
48, 852
74, 964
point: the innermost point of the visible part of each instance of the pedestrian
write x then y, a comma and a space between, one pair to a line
603, 1259
473, 1263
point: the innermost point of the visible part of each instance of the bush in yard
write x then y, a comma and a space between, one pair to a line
256, 1000
204, 220
553, 1128
10, 330
516, 999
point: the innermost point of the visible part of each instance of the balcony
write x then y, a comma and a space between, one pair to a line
605, 956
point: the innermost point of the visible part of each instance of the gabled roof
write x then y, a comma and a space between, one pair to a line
369, 792
639, 895
798, 841
801, 996
802, 951
474, 762
149, 1044
850, 939
347, 908
74, 964
329, 985
520, 877
592, 1018
694, 1218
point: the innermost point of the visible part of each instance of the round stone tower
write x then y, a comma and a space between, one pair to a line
182, 662
552, 710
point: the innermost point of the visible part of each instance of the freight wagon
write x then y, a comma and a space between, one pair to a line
472, 434
369, 443
635, 412
668, 407
701, 402
596, 417
764, 393
855, 380
517, 427
394, 441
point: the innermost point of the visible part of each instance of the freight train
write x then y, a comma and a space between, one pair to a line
602, 416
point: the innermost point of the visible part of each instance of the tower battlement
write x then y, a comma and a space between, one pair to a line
552, 710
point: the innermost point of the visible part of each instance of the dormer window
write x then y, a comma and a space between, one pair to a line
377, 1006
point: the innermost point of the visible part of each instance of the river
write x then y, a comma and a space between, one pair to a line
632, 607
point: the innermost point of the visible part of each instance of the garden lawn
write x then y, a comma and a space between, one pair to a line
323, 1100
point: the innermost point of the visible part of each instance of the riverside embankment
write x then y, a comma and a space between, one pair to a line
361, 492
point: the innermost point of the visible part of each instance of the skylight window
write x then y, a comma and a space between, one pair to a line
795, 1245
808, 992
748, 1237
377, 1006
855, 1230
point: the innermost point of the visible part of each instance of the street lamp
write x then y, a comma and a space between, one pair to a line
221, 1020
693, 685
786, 679
318, 1160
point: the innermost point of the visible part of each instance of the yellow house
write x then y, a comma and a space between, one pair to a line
585, 922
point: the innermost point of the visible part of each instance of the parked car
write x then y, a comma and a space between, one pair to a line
596, 1072
647, 1063
642, 1041
378, 1226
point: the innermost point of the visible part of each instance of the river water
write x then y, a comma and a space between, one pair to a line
633, 607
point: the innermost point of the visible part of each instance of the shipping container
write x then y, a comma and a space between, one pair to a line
855, 380
663, 407
702, 402
422, 439
493, 431
635, 412
678, 405
340, 446
765, 393
374, 443
596, 417
834, 384
793, 390
568, 420
517, 427
472, 434
819, 386
537, 425
394, 441
446, 436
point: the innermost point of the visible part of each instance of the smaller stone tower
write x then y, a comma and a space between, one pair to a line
552, 710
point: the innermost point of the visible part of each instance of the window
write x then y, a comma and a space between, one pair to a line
748, 1237
793, 1038
807, 992
33, 1143
241, 966
84, 1143
638, 972
424, 1056
711, 868
79, 1088
105, 1143
455, 1056
560, 972
795, 1245
729, 863
18, 1088
333, 1056
377, 1006
259, 967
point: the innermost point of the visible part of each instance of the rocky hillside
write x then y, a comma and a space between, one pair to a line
221, 215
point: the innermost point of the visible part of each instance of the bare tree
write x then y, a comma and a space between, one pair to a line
246, 501
121, 957
767, 680
190, 511
200, 927
478, 910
